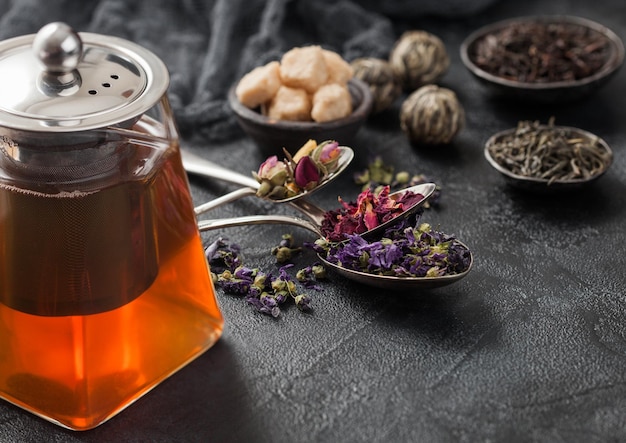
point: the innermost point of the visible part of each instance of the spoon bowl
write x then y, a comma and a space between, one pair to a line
193, 165
199, 166
317, 215
374, 280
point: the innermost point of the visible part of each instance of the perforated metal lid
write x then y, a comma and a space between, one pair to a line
62, 81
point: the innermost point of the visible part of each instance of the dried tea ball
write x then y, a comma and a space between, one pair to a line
431, 115
378, 75
418, 58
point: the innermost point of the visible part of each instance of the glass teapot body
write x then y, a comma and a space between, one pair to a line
104, 287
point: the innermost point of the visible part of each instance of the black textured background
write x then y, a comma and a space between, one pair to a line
529, 347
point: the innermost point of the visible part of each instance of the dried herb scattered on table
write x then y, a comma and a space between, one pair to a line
379, 174
264, 291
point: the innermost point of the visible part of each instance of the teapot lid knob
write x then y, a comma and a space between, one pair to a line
58, 47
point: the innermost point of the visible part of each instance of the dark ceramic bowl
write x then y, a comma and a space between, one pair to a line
543, 185
548, 92
272, 135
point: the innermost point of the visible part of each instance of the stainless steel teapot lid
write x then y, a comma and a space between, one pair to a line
62, 81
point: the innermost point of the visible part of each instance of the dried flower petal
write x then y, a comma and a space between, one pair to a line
369, 211
263, 291
404, 251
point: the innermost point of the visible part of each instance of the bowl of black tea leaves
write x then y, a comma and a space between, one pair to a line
545, 157
545, 59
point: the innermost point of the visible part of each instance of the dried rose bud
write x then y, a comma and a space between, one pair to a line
272, 175
306, 173
327, 153
272, 170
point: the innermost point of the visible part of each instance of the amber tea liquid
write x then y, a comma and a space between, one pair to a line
129, 301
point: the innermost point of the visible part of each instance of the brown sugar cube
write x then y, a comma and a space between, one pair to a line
290, 104
304, 68
339, 70
331, 102
259, 85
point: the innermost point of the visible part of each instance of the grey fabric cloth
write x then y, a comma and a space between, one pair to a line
208, 44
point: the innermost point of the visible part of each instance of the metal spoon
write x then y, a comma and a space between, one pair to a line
314, 213
379, 281
194, 164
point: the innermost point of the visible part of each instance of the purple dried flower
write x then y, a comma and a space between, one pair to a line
385, 255
303, 302
235, 286
265, 305
222, 255
403, 251
263, 291
308, 276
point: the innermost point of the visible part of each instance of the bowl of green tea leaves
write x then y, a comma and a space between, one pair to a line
546, 59
546, 157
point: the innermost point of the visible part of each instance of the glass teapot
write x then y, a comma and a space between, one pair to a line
104, 287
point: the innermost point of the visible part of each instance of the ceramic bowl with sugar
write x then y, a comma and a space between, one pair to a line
272, 135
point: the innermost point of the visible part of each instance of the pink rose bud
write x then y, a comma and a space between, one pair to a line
273, 170
330, 151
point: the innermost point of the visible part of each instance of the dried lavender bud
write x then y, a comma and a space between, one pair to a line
303, 302
285, 250
383, 83
403, 251
309, 275
432, 115
418, 58
260, 290
282, 254
319, 271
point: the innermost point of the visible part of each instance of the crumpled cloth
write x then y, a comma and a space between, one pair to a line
208, 44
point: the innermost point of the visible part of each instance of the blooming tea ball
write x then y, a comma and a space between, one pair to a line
383, 83
419, 58
431, 115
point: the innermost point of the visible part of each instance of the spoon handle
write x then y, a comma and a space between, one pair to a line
197, 165
206, 168
207, 225
226, 198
